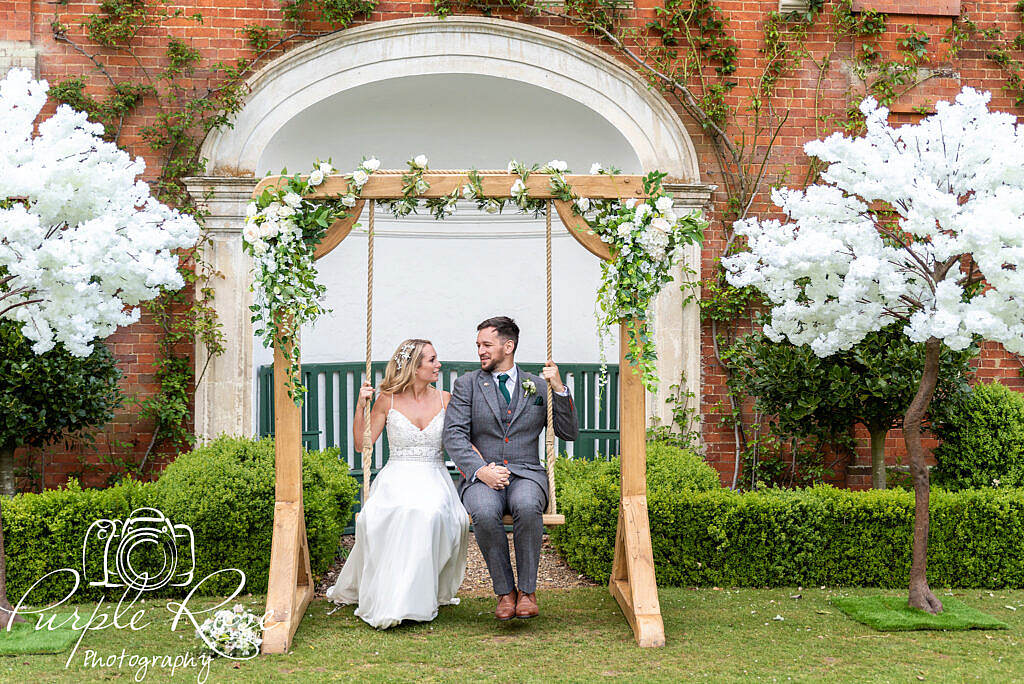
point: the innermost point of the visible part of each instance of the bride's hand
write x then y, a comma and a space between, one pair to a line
365, 395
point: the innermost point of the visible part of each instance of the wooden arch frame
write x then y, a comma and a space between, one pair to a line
632, 583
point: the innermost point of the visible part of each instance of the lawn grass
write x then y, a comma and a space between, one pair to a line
23, 638
713, 635
893, 614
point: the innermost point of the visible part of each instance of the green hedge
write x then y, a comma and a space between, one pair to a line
224, 491
982, 440
809, 537
44, 532
588, 496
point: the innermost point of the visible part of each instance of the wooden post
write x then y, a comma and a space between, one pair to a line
632, 581
290, 588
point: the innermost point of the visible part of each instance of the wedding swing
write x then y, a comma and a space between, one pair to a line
632, 582
551, 516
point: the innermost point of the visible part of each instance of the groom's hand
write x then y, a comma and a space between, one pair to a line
494, 476
551, 376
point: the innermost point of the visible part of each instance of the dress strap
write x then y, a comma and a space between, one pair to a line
440, 395
392, 401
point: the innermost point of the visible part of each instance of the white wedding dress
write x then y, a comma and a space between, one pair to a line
410, 551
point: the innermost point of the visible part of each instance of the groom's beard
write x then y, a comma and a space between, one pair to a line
490, 364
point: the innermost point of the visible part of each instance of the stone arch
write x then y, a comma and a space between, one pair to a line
463, 45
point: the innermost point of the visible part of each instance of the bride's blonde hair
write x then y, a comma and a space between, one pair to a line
402, 365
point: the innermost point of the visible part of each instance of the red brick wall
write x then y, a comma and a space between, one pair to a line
219, 38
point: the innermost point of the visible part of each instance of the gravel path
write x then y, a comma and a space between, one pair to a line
552, 573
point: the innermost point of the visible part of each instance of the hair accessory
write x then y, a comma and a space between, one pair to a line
403, 354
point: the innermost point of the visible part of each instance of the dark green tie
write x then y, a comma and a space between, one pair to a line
502, 379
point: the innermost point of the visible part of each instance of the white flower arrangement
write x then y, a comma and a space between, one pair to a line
413, 184
281, 232
529, 387
521, 195
235, 633
644, 237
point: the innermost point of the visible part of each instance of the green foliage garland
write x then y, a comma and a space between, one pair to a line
284, 229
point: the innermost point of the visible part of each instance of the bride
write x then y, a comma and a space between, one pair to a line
410, 551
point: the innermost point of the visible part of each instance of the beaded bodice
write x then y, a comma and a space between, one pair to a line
407, 442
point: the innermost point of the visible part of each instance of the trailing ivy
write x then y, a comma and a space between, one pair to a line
998, 46
339, 13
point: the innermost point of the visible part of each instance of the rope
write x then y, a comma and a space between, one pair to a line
367, 444
549, 435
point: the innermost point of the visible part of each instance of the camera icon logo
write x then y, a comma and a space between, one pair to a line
144, 551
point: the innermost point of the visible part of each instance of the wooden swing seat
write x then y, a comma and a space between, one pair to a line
550, 519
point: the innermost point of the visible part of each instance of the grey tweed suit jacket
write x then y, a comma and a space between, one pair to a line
476, 417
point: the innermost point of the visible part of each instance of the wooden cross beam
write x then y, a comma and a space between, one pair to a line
388, 185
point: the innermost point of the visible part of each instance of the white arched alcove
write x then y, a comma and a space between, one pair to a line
468, 92
438, 279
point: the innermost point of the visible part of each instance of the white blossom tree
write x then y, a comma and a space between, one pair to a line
922, 223
82, 241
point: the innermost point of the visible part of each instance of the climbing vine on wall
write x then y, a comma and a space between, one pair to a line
999, 48
689, 54
687, 51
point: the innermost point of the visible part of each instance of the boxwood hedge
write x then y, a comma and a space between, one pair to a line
224, 491
709, 536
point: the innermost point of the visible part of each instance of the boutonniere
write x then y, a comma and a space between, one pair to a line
529, 387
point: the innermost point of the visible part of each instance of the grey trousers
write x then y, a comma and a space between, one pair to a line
526, 501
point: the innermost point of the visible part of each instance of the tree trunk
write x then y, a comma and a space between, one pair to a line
878, 458
920, 595
7, 486
6, 609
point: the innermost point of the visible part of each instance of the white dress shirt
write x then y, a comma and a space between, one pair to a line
513, 376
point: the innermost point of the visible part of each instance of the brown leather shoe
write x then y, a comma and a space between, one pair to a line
526, 606
506, 608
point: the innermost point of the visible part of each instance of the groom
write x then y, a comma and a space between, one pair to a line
490, 430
